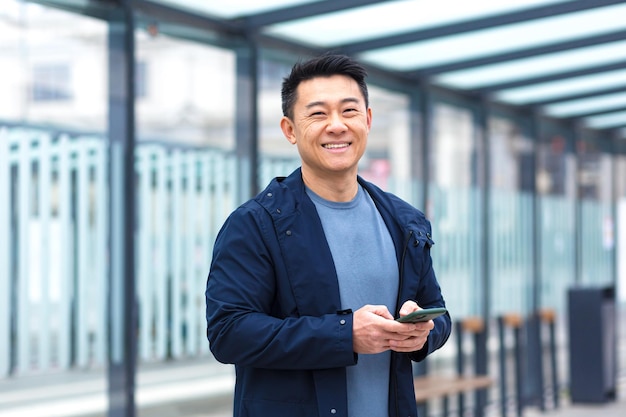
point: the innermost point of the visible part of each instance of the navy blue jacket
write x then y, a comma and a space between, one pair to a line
273, 306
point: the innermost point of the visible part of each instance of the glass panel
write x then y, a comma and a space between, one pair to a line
556, 166
595, 193
537, 66
277, 156
232, 8
387, 161
189, 93
510, 215
55, 195
186, 180
555, 180
454, 209
558, 89
594, 172
620, 189
495, 41
407, 15
453, 148
620, 176
598, 103
45, 77
607, 120
511, 156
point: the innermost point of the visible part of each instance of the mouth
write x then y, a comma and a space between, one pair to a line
336, 145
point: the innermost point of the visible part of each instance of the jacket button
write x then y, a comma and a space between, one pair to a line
342, 322
288, 232
333, 411
269, 194
278, 211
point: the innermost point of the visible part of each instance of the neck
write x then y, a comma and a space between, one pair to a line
332, 188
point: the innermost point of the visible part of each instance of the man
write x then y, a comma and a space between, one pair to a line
308, 276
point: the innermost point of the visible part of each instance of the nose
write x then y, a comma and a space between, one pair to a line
335, 123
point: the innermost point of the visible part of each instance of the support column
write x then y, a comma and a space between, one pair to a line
6, 249
578, 270
121, 304
247, 121
484, 182
421, 103
534, 384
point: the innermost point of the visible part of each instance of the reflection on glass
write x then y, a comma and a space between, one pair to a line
511, 216
511, 156
620, 176
455, 209
555, 167
555, 176
186, 182
52, 122
53, 65
187, 92
597, 222
278, 158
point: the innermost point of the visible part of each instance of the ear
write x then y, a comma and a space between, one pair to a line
286, 125
369, 118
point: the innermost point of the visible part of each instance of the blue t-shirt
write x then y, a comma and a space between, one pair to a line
367, 270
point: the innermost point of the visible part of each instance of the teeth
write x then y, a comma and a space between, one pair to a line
335, 145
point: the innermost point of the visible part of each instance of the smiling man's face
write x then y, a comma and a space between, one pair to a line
330, 126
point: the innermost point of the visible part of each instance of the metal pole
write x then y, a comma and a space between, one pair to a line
121, 304
247, 120
484, 181
426, 110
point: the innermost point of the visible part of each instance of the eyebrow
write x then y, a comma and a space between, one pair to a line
321, 103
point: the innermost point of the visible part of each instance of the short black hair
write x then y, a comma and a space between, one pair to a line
322, 66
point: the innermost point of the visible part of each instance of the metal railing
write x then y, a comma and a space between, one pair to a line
53, 251
53, 245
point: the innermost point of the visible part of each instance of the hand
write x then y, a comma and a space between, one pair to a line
416, 335
368, 329
374, 330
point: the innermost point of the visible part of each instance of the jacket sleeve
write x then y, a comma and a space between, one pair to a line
429, 295
247, 325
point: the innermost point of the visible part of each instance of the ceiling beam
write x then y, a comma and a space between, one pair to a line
522, 53
594, 113
549, 78
286, 14
579, 96
100, 9
550, 10
176, 15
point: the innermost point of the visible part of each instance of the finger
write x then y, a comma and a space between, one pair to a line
409, 345
409, 306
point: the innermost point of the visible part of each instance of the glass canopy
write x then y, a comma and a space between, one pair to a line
565, 58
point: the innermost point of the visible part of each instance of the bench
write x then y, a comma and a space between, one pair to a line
435, 386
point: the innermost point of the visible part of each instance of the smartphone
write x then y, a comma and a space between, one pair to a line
422, 315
